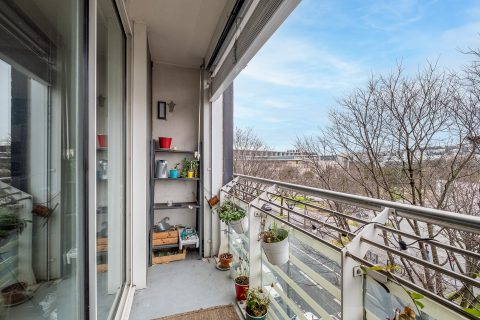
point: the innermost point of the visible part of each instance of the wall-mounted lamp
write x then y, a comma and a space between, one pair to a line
171, 106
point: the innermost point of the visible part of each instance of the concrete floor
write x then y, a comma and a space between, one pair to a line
182, 286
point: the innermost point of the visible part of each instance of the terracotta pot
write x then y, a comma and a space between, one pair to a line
213, 201
165, 142
241, 289
14, 294
225, 260
102, 140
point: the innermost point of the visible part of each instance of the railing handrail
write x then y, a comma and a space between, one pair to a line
449, 219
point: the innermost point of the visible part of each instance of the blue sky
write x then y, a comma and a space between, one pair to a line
327, 47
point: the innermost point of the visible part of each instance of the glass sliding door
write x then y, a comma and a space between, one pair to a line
42, 199
110, 112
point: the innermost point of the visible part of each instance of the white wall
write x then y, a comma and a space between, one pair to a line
212, 117
140, 154
180, 85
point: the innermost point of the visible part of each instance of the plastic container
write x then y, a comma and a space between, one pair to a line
165, 142
102, 140
174, 174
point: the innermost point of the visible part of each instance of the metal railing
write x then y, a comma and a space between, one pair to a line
408, 251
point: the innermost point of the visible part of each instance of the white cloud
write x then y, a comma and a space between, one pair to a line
300, 64
394, 15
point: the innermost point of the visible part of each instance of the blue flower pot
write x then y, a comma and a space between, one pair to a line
174, 173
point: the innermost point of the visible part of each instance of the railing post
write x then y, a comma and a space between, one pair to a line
224, 236
352, 282
255, 251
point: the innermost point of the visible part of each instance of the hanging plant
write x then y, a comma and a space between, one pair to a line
275, 245
233, 216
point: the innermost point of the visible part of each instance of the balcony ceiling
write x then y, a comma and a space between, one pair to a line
181, 32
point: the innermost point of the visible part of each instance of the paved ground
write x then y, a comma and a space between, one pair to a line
182, 286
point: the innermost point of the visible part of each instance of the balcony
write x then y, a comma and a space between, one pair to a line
350, 257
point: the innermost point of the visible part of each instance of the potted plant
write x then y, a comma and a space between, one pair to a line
225, 260
188, 168
257, 304
174, 172
241, 281
275, 244
233, 216
10, 223
195, 164
190, 171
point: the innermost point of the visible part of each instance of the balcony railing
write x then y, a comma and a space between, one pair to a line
354, 257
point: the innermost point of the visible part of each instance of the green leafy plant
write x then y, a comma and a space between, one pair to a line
229, 211
257, 302
241, 271
177, 165
185, 167
10, 222
472, 311
194, 165
275, 234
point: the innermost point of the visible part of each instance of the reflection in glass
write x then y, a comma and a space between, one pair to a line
41, 177
110, 156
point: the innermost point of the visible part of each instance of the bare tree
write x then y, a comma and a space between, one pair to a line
409, 139
248, 156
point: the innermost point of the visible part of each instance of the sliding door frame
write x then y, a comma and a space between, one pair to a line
123, 302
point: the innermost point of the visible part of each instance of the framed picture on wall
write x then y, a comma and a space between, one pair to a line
162, 110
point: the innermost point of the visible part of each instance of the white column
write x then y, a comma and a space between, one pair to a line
140, 156
217, 164
254, 228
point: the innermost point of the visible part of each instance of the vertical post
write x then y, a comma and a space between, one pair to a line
224, 237
254, 228
352, 285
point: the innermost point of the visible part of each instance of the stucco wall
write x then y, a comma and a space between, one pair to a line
180, 85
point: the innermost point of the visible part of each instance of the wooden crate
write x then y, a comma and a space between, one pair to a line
102, 268
165, 234
165, 237
173, 257
102, 244
160, 242
102, 240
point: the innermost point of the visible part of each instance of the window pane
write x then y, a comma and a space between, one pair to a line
110, 156
41, 172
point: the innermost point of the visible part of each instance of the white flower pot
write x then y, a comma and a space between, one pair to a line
277, 253
240, 226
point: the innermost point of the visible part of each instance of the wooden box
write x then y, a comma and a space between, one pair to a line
173, 257
102, 268
165, 234
102, 244
165, 237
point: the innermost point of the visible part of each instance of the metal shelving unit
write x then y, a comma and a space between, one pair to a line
155, 207
177, 179
176, 205
174, 151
